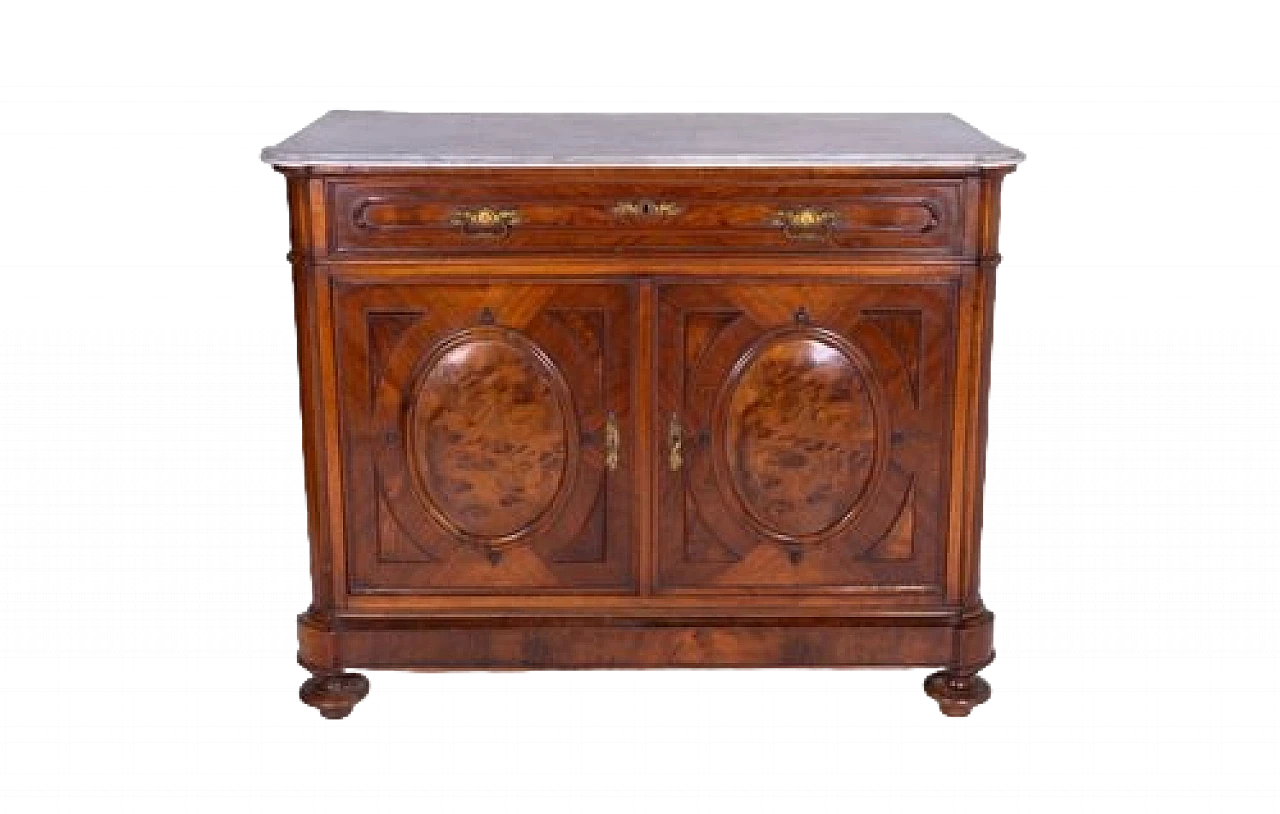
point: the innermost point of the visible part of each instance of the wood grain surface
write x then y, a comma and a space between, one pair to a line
800, 420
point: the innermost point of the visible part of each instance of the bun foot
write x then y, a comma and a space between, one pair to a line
957, 692
334, 694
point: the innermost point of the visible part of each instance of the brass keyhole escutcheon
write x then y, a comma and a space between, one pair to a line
647, 209
485, 221
675, 440
612, 442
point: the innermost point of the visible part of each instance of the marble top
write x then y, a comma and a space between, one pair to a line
377, 138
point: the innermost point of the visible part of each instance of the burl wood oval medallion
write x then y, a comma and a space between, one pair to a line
801, 435
489, 441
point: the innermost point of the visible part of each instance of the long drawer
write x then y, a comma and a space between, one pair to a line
438, 216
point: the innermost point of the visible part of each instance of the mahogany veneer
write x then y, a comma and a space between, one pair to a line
569, 416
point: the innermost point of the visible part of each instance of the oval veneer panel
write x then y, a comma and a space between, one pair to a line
489, 435
800, 437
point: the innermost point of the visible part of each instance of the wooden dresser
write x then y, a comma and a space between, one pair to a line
630, 391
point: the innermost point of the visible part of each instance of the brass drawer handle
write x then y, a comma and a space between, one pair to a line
647, 209
612, 441
675, 438
805, 222
485, 221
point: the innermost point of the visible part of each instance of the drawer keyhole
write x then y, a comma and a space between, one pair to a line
647, 209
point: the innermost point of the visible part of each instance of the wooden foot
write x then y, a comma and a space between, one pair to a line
334, 694
957, 691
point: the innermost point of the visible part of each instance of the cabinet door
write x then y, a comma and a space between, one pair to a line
802, 435
487, 436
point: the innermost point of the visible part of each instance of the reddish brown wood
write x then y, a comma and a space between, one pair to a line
957, 691
814, 419
828, 391
489, 435
476, 417
799, 435
334, 694
575, 643
630, 210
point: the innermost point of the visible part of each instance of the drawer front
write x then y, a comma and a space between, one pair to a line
487, 436
399, 217
801, 437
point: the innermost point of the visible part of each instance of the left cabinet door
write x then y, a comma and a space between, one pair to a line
487, 436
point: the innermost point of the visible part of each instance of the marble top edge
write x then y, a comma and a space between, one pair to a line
387, 139
279, 159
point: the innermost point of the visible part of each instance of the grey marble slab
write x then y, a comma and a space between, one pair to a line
377, 138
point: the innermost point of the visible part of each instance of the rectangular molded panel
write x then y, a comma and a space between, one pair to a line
411, 216
476, 418
802, 435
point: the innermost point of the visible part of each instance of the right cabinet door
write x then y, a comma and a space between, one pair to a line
801, 434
